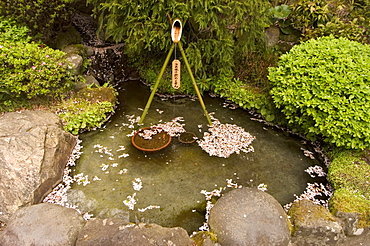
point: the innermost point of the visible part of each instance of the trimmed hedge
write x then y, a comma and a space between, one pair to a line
323, 88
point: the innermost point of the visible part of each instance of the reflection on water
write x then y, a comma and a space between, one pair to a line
167, 185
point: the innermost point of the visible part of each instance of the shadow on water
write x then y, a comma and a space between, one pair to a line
173, 178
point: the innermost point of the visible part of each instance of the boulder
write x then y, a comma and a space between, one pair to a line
272, 35
89, 81
115, 231
76, 62
249, 216
34, 151
66, 37
313, 225
43, 224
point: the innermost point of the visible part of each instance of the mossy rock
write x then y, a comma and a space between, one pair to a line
87, 109
98, 94
78, 49
350, 170
314, 224
351, 201
349, 173
67, 37
306, 211
203, 237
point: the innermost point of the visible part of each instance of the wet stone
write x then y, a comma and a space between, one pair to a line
114, 231
43, 224
248, 216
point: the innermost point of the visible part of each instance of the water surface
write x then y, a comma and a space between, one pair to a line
173, 178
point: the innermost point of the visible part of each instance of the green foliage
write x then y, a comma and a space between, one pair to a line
350, 30
245, 96
309, 14
349, 19
214, 31
280, 11
88, 109
323, 87
29, 71
41, 16
10, 31
254, 68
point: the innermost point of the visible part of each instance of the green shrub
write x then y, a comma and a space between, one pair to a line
323, 88
41, 16
10, 31
349, 29
316, 18
88, 109
214, 32
245, 96
29, 71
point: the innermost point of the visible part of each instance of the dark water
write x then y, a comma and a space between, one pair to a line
173, 178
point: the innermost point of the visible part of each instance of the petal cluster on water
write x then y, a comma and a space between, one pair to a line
222, 140
174, 128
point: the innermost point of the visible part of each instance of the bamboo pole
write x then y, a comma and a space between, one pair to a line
156, 85
194, 84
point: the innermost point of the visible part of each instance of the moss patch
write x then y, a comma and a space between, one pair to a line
349, 173
350, 201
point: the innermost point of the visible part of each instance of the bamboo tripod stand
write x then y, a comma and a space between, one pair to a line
175, 41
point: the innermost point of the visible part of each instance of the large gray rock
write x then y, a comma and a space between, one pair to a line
114, 231
43, 224
34, 150
314, 225
249, 216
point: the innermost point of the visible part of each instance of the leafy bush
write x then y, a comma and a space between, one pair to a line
12, 32
323, 88
30, 71
88, 109
214, 32
41, 16
349, 19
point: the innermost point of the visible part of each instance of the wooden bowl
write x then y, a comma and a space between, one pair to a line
187, 138
159, 140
